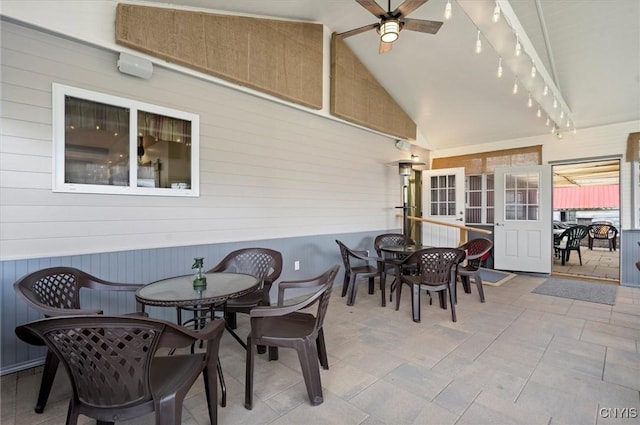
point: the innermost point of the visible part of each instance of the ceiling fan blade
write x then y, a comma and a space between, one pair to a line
373, 7
421, 25
358, 30
408, 6
384, 47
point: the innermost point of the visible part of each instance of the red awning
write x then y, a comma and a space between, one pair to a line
586, 197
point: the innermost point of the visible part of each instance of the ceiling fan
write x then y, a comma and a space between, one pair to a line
392, 22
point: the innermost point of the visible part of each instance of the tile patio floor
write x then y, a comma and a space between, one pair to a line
599, 263
519, 358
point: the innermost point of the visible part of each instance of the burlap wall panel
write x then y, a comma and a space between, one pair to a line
356, 96
281, 58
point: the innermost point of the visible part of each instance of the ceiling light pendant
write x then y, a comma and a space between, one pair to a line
515, 86
478, 43
555, 103
447, 10
518, 46
553, 129
545, 91
389, 30
530, 101
547, 122
539, 113
496, 13
562, 114
500, 67
533, 71
568, 123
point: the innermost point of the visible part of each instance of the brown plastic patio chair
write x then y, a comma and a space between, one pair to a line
113, 368
390, 261
364, 270
286, 326
55, 291
437, 273
262, 263
476, 250
604, 231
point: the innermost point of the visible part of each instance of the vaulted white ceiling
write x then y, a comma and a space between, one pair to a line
589, 50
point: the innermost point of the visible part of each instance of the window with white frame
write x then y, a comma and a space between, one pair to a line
114, 145
479, 199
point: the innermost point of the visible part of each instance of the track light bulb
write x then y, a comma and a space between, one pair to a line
447, 10
555, 103
515, 87
568, 123
530, 101
547, 122
545, 91
539, 113
496, 13
518, 46
533, 71
500, 67
478, 43
561, 114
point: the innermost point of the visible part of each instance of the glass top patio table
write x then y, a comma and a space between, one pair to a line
179, 291
402, 250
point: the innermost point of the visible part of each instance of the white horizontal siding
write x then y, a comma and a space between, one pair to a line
267, 170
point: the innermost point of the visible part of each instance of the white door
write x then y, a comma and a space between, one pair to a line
523, 230
443, 195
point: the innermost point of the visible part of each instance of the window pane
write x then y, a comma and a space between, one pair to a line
164, 151
490, 182
474, 183
475, 199
452, 180
474, 215
96, 149
434, 195
489, 215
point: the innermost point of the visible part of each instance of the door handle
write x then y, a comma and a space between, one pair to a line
498, 224
459, 219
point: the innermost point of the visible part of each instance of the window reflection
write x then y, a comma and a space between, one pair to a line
97, 143
164, 151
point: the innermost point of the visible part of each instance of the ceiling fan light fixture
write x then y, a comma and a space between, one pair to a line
389, 30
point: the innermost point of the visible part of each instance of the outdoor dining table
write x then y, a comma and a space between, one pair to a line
179, 292
399, 252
